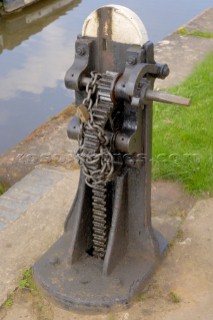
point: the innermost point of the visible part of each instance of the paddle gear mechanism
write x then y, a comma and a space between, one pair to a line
109, 248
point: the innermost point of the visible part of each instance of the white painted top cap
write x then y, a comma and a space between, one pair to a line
127, 27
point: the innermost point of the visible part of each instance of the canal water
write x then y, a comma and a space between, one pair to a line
37, 47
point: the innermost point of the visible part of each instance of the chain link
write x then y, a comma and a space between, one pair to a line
96, 163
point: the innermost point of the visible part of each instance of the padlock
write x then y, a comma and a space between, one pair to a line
83, 113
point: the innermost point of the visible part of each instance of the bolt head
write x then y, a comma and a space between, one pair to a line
54, 261
132, 60
164, 71
81, 51
116, 283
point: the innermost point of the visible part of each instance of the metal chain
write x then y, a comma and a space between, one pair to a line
94, 156
97, 160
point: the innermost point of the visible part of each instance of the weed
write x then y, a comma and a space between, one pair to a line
27, 280
171, 245
179, 235
10, 300
26, 283
2, 189
196, 33
173, 297
142, 297
40, 306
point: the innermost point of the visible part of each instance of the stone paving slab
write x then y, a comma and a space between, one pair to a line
27, 192
181, 52
32, 215
203, 22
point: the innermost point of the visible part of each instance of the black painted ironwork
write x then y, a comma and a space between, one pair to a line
109, 248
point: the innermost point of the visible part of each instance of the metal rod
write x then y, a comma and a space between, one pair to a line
84, 81
166, 97
160, 96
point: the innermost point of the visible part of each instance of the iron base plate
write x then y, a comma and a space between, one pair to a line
83, 287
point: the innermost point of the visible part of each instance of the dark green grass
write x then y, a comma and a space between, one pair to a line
183, 137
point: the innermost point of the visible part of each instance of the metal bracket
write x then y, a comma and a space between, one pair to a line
82, 66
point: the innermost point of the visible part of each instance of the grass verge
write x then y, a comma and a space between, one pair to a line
183, 137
